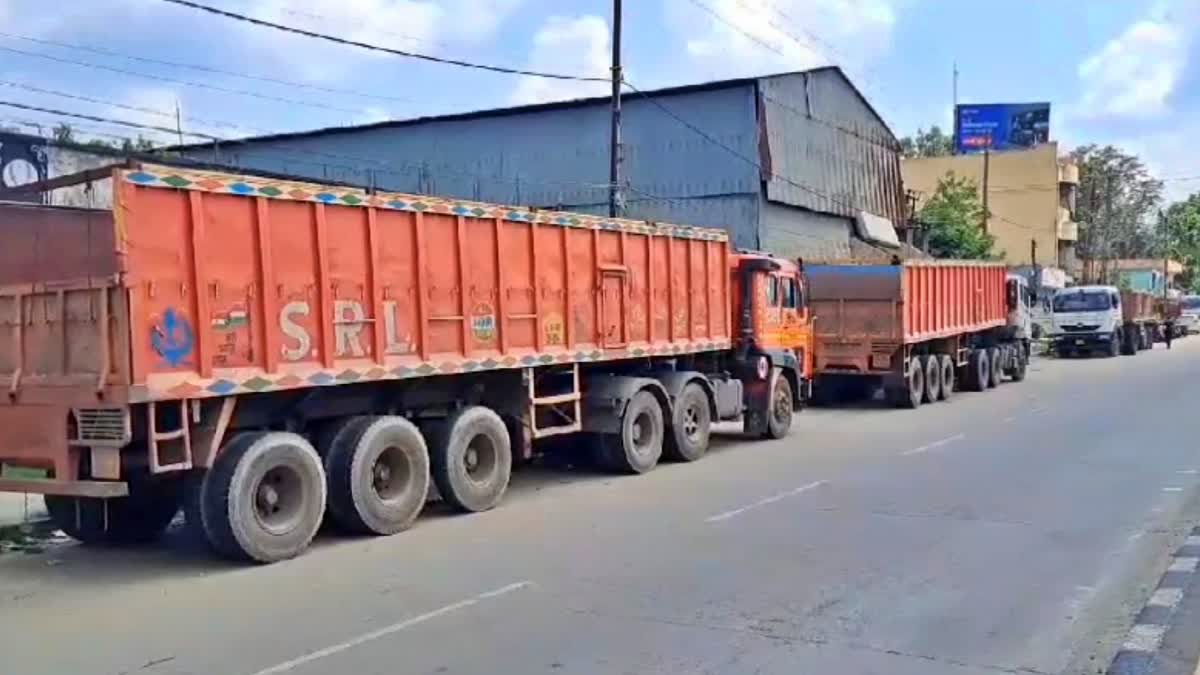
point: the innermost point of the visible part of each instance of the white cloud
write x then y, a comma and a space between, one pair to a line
425, 26
1135, 73
576, 46
751, 37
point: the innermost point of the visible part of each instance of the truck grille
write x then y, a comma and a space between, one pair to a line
1081, 328
101, 426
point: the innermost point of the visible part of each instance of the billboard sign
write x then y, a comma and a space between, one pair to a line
1000, 126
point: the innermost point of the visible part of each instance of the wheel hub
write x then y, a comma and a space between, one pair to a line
691, 423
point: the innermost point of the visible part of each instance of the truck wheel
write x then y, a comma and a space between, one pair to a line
947, 375
910, 394
1020, 362
691, 424
639, 444
1129, 342
995, 367
1114, 345
139, 518
933, 378
979, 370
470, 457
779, 417
377, 470
264, 497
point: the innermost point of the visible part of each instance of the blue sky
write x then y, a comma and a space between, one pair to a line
1126, 73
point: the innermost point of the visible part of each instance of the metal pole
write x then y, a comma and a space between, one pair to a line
954, 132
615, 198
987, 157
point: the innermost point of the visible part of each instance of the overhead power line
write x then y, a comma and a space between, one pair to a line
186, 83
207, 69
376, 48
105, 120
133, 108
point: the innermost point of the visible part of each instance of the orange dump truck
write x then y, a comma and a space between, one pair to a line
260, 353
920, 329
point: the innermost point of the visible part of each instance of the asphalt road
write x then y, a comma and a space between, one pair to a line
1017, 531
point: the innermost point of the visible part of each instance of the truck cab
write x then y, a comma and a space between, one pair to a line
773, 328
1020, 301
1087, 318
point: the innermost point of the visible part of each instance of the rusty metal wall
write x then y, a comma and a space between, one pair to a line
828, 149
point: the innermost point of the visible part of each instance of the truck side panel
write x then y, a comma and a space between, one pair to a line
235, 287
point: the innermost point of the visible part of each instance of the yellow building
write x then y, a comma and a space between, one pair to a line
1029, 193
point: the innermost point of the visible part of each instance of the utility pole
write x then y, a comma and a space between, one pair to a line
178, 122
616, 201
954, 131
987, 160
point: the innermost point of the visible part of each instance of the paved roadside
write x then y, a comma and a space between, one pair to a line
1165, 638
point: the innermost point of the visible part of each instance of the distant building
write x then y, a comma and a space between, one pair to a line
796, 163
29, 160
1030, 195
1150, 275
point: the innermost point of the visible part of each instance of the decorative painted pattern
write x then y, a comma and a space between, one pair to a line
194, 387
223, 183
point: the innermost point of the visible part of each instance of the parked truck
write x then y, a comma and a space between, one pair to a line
262, 352
920, 329
1106, 320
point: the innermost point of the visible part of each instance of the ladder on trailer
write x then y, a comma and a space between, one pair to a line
554, 397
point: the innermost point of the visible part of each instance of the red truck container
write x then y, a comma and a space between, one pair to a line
259, 349
919, 328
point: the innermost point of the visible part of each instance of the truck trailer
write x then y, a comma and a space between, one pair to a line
261, 353
920, 329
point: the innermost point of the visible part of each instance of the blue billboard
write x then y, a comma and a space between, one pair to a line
1000, 126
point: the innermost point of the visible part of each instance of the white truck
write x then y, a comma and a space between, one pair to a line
1189, 315
1104, 320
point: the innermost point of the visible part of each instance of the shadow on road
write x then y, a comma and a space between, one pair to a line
50, 558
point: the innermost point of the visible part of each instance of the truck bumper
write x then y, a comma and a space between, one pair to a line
1082, 340
68, 488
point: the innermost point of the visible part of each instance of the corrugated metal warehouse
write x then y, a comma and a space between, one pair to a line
784, 162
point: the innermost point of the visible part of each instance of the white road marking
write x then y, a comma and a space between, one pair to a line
1183, 565
1172, 489
1144, 637
936, 444
389, 630
1134, 537
1192, 540
1008, 420
1166, 597
763, 502
1189, 472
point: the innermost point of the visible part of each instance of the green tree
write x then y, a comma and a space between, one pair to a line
65, 133
1115, 205
953, 218
1180, 224
932, 143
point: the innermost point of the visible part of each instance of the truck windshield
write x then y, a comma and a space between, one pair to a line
1191, 302
1081, 301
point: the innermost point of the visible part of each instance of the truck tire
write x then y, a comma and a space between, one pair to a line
979, 369
139, 518
995, 367
933, 378
470, 457
779, 416
264, 497
1129, 342
377, 470
638, 446
691, 425
947, 374
1021, 363
910, 394
1114, 345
